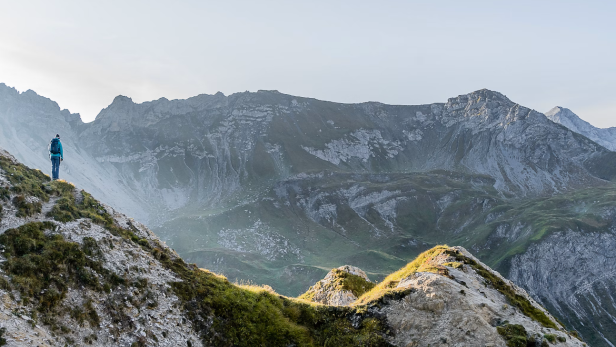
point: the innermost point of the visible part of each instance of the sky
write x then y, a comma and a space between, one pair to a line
540, 54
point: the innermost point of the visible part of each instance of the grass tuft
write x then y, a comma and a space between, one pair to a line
420, 264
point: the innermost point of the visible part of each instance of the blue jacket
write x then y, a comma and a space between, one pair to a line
61, 155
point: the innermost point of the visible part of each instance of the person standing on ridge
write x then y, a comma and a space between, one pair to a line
56, 154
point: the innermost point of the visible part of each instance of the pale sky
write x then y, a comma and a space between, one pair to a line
540, 54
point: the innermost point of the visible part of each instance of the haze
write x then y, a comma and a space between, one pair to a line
83, 54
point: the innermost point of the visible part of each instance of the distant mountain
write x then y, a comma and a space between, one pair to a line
279, 189
564, 116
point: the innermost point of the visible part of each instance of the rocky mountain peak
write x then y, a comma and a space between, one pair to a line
341, 286
121, 99
567, 118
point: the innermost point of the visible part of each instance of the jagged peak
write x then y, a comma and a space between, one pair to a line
122, 99
484, 94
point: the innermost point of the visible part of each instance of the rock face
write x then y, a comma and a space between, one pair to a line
570, 273
340, 287
460, 309
273, 188
564, 116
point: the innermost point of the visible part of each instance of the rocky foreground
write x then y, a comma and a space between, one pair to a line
76, 272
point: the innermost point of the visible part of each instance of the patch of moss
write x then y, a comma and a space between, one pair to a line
43, 267
514, 299
2, 339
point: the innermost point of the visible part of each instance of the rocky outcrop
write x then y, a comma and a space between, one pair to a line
448, 297
340, 287
564, 116
464, 307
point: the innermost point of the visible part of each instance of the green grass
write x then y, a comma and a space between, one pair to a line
260, 318
420, 264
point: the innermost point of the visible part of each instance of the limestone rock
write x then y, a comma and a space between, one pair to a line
462, 308
340, 287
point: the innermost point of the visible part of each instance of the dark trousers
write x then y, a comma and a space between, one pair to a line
55, 168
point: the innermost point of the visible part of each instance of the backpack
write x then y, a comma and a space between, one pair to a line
55, 146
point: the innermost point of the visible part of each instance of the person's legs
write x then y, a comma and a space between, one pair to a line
55, 168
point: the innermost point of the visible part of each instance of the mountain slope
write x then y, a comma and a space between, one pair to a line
564, 116
74, 271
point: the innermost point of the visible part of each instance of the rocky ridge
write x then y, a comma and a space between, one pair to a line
451, 298
564, 116
341, 286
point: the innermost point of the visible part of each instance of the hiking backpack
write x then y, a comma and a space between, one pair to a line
55, 146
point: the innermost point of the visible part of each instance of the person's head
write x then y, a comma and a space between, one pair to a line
57, 135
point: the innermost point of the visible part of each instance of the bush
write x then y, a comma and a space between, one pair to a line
25, 208
5, 193
2, 339
550, 337
514, 334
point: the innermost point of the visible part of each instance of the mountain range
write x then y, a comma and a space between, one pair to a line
278, 189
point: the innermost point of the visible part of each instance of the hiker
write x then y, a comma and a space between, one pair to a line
56, 154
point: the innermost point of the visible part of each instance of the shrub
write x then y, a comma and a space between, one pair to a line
5, 193
550, 337
25, 208
2, 339
514, 334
